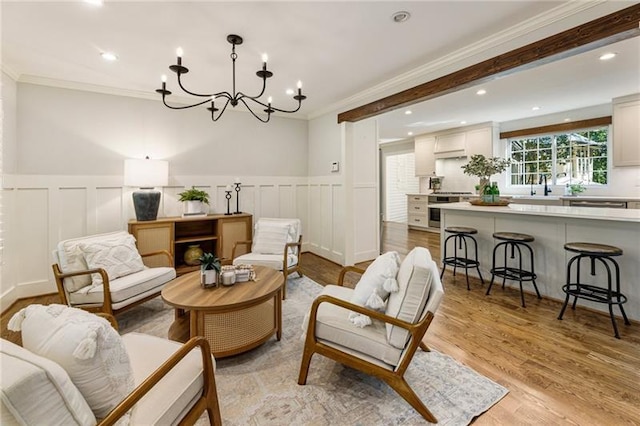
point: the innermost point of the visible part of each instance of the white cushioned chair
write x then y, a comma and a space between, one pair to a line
386, 347
174, 384
105, 272
276, 243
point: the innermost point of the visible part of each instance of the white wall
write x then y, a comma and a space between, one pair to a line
69, 163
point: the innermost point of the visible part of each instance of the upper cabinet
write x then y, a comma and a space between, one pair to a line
626, 131
424, 155
453, 144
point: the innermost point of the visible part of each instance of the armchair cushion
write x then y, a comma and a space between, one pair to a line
116, 254
271, 237
126, 289
375, 285
416, 291
176, 392
70, 257
26, 377
271, 260
85, 345
334, 329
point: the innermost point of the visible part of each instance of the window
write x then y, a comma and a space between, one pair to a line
578, 157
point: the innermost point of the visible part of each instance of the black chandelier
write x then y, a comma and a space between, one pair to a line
233, 98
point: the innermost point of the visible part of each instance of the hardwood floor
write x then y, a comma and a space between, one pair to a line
558, 372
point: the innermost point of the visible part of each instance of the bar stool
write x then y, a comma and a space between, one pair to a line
513, 241
460, 235
577, 289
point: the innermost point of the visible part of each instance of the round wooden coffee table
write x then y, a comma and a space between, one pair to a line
234, 319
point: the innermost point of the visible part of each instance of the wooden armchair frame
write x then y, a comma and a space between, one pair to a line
107, 303
297, 246
394, 378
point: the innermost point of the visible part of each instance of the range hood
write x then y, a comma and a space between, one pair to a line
451, 146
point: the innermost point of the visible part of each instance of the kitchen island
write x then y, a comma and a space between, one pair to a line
552, 227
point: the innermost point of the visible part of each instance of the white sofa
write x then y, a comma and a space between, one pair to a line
105, 272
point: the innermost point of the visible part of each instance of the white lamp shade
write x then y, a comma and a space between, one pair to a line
146, 173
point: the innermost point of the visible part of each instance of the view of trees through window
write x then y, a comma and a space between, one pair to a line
578, 157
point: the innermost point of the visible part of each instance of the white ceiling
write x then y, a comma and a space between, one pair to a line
338, 50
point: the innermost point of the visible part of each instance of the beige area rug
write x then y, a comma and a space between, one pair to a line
260, 387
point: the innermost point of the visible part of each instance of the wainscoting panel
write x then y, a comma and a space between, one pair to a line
366, 224
30, 235
326, 216
326, 219
40, 211
337, 220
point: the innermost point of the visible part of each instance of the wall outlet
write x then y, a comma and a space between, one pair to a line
335, 167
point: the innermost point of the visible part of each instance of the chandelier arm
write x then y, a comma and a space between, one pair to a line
288, 111
213, 118
254, 98
183, 107
193, 93
253, 113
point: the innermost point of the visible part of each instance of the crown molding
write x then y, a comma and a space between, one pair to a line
440, 65
10, 72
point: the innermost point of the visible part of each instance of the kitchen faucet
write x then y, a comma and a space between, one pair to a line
547, 190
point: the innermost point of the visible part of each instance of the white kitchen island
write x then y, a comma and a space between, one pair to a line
552, 227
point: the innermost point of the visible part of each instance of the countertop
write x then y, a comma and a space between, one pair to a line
620, 215
550, 197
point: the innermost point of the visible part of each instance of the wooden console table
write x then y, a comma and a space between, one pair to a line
213, 233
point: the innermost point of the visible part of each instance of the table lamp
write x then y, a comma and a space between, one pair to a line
146, 174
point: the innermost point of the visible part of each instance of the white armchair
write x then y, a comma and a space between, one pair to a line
386, 347
276, 243
105, 273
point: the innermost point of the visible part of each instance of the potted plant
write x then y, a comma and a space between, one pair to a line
194, 200
576, 188
484, 168
209, 269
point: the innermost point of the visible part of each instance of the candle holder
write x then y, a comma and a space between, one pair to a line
237, 184
228, 197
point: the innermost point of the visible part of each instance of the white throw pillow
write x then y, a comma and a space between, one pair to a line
116, 254
37, 391
375, 285
271, 238
85, 345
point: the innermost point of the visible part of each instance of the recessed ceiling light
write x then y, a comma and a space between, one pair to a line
481, 92
567, 119
94, 2
108, 56
463, 122
410, 133
607, 56
401, 16
535, 108
289, 92
408, 112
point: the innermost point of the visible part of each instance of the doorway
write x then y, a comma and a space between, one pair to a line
398, 179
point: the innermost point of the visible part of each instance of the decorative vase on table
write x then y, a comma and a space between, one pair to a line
208, 277
192, 255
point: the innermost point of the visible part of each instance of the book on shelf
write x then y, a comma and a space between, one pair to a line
200, 214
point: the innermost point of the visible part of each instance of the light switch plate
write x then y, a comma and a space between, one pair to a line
335, 166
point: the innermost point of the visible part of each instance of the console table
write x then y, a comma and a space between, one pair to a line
213, 233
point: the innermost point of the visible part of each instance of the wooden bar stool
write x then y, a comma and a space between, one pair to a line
515, 242
604, 254
460, 235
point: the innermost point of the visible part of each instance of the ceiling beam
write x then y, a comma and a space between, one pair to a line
603, 31
560, 127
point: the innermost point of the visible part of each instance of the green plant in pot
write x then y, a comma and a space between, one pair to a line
484, 168
209, 269
194, 200
576, 188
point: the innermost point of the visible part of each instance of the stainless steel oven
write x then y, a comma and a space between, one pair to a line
434, 211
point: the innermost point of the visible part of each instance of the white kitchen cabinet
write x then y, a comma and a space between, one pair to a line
626, 131
480, 141
425, 160
451, 145
417, 211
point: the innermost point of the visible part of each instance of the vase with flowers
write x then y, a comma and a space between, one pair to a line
484, 168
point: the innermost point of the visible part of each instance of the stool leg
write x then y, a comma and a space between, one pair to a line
444, 256
475, 247
609, 295
575, 298
533, 271
566, 299
455, 253
466, 256
517, 246
624, 315
493, 267
504, 275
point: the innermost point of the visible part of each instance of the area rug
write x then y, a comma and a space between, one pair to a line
260, 387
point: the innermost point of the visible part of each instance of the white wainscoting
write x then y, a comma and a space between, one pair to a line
39, 211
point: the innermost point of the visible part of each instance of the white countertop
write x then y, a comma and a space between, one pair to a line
623, 215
